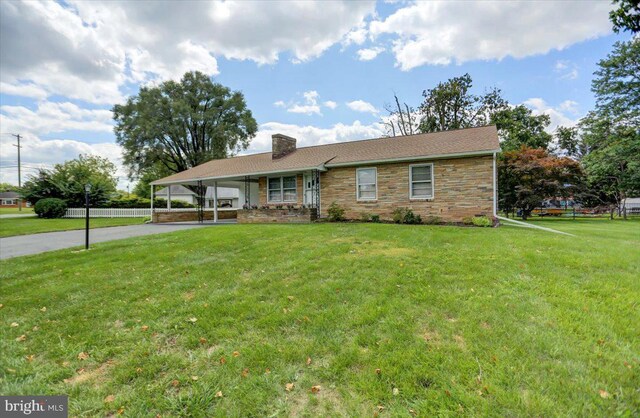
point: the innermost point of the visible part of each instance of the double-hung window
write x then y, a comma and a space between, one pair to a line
282, 189
421, 181
366, 183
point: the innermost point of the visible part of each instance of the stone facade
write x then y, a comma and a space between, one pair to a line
299, 215
462, 187
190, 216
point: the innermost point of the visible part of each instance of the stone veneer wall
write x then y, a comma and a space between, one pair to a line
190, 216
250, 216
262, 191
462, 187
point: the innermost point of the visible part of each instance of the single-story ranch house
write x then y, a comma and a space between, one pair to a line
450, 175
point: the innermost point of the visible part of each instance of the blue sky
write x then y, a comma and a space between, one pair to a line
321, 72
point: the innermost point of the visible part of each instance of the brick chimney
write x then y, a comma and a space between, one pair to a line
282, 145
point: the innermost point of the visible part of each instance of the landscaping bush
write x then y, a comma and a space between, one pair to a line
50, 208
468, 220
433, 220
405, 216
375, 218
482, 221
336, 212
365, 217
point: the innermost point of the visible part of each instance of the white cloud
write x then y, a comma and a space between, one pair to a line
309, 106
367, 54
50, 117
312, 135
557, 114
439, 33
90, 50
567, 69
23, 89
362, 106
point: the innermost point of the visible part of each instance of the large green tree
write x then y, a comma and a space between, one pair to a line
67, 181
626, 17
517, 127
451, 105
182, 124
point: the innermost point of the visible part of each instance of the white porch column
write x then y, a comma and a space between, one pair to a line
169, 197
215, 201
152, 197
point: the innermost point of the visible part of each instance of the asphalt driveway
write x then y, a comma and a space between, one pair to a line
50, 241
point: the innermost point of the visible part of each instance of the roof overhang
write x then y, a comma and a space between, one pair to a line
416, 158
327, 165
237, 177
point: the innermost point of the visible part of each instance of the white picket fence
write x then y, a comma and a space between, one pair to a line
125, 213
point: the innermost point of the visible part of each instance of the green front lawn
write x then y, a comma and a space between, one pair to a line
15, 211
388, 319
23, 226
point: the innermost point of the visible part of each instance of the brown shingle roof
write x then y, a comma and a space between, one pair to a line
421, 146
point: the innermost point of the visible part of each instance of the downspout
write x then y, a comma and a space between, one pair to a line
495, 189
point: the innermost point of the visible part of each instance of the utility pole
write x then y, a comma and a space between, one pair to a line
19, 172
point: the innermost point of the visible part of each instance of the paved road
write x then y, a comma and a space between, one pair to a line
49, 241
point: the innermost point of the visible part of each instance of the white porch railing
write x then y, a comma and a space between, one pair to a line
127, 213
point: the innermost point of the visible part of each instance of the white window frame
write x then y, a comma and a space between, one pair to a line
282, 190
411, 196
366, 199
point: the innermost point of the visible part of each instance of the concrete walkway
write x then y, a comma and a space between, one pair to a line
18, 215
50, 241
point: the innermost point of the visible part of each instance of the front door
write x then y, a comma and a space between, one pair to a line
309, 189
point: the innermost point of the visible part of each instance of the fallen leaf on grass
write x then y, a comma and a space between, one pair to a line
289, 387
1, 306
380, 408
290, 297
144, 327
110, 399
395, 391
21, 338
378, 371
203, 340
121, 410
245, 373
308, 361
35, 328
223, 360
219, 394
30, 357
83, 356
138, 369
267, 371
604, 394
175, 383
194, 378
14, 324
43, 309
193, 319
236, 354
316, 389
413, 412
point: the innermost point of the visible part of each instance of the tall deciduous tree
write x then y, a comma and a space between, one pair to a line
182, 124
617, 83
626, 17
67, 180
451, 105
517, 127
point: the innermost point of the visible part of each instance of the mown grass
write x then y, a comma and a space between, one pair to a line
15, 211
23, 226
420, 320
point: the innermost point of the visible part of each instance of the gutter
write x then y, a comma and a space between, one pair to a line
421, 158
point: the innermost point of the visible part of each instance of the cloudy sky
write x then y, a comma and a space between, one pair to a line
321, 72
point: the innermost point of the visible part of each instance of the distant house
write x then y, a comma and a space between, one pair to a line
10, 200
228, 197
631, 204
450, 175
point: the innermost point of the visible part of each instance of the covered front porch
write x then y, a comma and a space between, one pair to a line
279, 197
